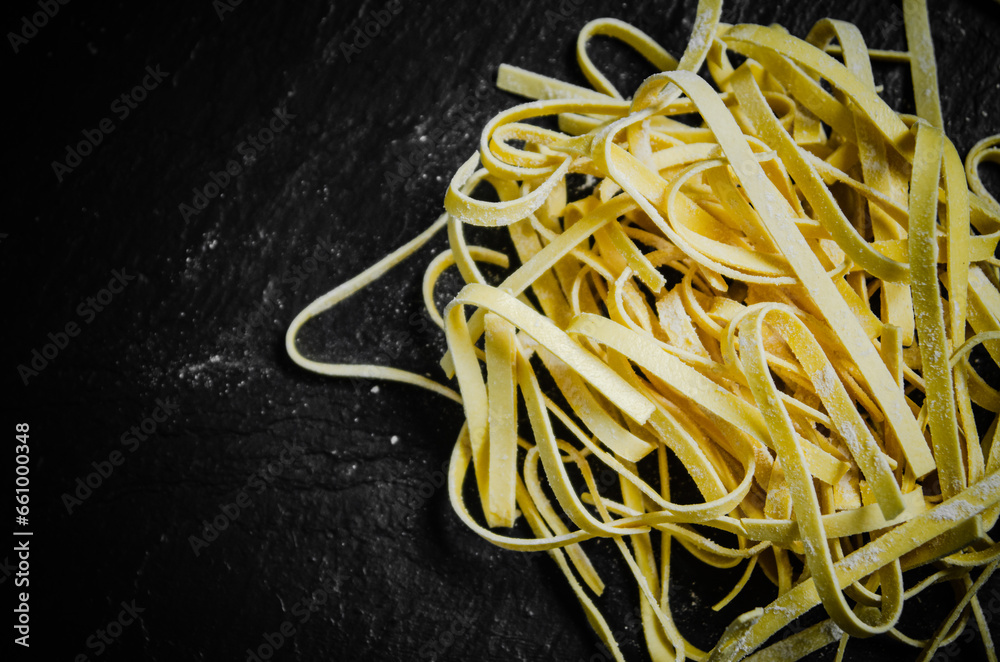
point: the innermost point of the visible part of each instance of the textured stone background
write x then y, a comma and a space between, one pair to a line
360, 514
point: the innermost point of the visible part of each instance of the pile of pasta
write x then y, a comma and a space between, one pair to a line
783, 294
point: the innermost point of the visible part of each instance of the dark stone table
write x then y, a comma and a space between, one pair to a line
185, 177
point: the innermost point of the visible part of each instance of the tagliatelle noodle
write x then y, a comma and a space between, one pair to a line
987, 149
760, 296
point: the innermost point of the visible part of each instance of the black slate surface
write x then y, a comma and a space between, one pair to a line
353, 515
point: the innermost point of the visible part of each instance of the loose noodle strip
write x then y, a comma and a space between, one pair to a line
800, 644
352, 286
446, 259
740, 585
544, 506
501, 358
922, 69
761, 295
987, 149
946, 626
930, 312
842, 524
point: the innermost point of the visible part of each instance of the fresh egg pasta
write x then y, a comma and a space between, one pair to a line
784, 295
